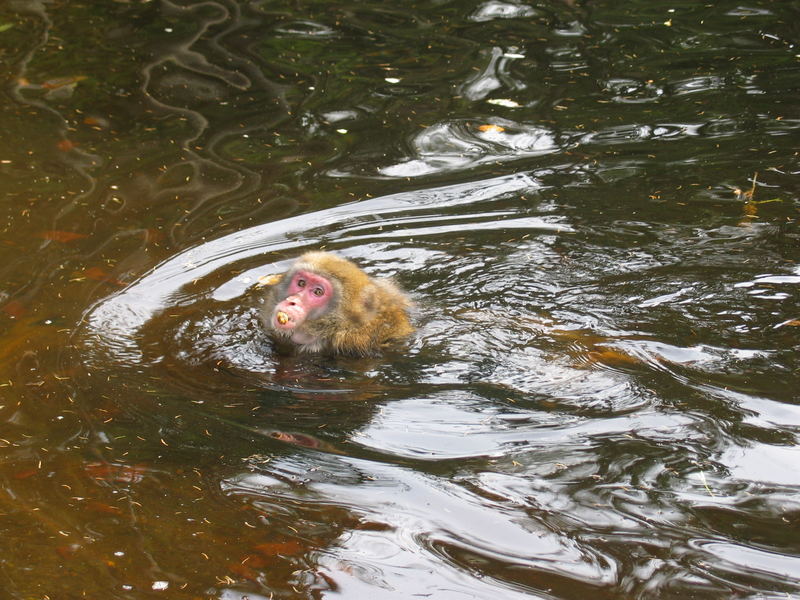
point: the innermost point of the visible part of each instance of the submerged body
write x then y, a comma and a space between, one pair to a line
325, 303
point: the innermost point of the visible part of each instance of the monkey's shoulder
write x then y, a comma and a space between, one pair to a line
383, 299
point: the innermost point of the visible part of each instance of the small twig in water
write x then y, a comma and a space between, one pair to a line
705, 483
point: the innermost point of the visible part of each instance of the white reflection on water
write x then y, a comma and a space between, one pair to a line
444, 520
456, 145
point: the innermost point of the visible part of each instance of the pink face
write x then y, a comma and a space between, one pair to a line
308, 296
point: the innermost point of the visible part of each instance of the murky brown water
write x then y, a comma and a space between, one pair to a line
594, 205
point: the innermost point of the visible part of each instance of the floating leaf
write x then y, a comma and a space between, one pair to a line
289, 548
245, 572
62, 236
298, 439
59, 82
66, 145
494, 128
26, 473
98, 274
613, 357
5, 27
789, 323
15, 308
97, 122
266, 280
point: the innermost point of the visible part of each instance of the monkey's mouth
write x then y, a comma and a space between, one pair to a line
287, 318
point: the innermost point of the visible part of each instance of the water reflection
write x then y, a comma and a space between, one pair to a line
459, 146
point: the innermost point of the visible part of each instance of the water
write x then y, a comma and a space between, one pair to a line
593, 204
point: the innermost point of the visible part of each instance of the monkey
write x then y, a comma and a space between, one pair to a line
327, 304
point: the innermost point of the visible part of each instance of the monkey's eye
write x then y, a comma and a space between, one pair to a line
318, 291
301, 283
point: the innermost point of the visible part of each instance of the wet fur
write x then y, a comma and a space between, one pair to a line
364, 314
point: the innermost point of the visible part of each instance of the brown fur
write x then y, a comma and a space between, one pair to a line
364, 314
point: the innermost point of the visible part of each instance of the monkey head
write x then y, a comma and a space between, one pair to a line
327, 303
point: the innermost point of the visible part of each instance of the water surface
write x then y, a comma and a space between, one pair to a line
593, 204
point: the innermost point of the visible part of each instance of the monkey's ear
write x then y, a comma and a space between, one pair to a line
269, 280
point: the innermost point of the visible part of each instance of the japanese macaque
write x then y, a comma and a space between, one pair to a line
325, 303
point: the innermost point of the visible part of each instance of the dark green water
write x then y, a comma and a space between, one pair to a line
593, 204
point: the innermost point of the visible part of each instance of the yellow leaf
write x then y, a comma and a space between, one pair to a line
495, 128
267, 280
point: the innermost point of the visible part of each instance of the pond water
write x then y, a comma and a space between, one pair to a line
594, 205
